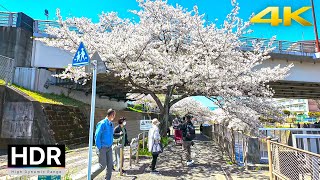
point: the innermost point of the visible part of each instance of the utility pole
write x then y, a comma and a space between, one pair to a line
315, 27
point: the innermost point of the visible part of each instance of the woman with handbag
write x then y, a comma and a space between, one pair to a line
154, 144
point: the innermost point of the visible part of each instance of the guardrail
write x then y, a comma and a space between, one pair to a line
135, 146
283, 135
8, 19
303, 48
6, 69
286, 162
233, 143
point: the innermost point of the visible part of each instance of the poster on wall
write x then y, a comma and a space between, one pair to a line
17, 120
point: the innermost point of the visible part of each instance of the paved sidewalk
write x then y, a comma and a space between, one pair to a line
209, 164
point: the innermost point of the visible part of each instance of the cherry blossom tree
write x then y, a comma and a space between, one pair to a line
175, 51
190, 106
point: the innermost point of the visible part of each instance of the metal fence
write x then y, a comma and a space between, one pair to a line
8, 19
6, 69
302, 48
232, 143
291, 163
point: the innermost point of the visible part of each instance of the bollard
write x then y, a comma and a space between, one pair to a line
137, 153
130, 158
121, 160
143, 138
269, 156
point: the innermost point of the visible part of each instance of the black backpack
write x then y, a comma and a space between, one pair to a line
191, 132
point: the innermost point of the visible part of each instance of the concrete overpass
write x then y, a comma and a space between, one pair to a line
303, 81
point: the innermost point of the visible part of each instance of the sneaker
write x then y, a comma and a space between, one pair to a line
154, 171
189, 163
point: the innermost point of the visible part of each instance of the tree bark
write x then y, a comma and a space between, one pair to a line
165, 114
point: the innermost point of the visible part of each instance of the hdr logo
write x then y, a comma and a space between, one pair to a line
36, 159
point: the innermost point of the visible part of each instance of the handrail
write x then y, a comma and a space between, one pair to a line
301, 48
296, 149
8, 19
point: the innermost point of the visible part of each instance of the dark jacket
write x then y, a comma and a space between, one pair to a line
183, 128
116, 134
201, 127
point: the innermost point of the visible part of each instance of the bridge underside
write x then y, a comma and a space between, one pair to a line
296, 90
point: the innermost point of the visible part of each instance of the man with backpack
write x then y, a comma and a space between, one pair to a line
188, 133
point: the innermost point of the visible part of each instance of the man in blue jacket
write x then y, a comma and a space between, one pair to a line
104, 141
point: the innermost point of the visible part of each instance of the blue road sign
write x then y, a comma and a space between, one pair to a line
81, 58
49, 177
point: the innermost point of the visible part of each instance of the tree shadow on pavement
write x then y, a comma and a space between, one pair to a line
208, 163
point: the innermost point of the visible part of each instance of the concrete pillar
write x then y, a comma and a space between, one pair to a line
253, 153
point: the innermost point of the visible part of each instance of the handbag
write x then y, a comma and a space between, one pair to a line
157, 148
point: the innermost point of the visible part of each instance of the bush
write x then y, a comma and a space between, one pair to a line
165, 141
135, 110
286, 112
144, 152
138, 107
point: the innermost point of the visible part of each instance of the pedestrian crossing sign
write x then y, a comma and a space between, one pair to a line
81, 58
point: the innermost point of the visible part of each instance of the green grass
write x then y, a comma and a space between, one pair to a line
144, 152
135, 110
48, 98
165, 142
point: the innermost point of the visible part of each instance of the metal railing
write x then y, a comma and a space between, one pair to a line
231, 142
286, 162
302, 48
8, 19
283, 135
6, 69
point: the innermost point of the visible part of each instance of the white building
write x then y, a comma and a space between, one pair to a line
297, 106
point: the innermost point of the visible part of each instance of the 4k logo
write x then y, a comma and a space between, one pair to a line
288, 15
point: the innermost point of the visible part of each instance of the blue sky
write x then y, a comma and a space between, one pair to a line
212, 8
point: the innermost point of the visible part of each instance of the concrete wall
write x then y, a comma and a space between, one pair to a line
50, 57
16, 43
79, 95
17, 116
25, 121
305, 71
67, 124
35, 79
133, 119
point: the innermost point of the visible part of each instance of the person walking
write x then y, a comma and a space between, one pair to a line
188, 133
154, 143
305, 125
104, 140
121, 137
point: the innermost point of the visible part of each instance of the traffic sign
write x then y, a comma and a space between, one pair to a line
49, 177
145, 125
81, 58
101, 66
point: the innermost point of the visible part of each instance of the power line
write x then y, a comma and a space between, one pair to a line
5, 8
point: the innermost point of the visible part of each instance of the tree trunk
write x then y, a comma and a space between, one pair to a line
164, 115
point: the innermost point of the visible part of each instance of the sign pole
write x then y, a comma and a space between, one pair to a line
93, 104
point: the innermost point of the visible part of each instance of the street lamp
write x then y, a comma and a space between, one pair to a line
315, 27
